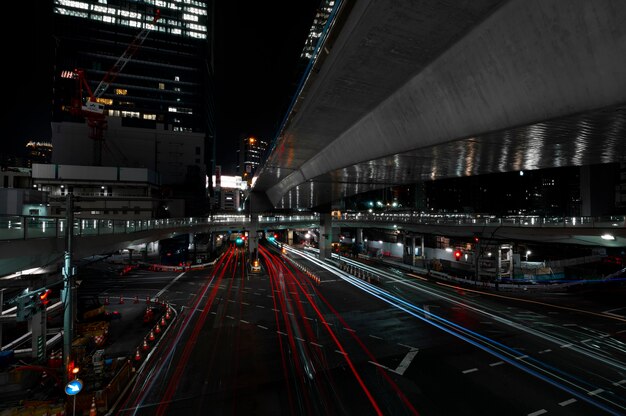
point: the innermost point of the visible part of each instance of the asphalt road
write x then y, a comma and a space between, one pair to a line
306, 338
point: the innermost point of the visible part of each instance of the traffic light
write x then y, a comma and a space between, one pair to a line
457, 255
44, 298
26, 306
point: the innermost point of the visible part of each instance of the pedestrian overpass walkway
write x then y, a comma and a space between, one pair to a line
28, 242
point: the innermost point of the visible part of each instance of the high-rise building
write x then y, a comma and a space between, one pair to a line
251, 151
159, 106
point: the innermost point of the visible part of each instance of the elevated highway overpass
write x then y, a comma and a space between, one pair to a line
407, 91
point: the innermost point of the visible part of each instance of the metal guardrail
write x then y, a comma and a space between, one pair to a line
27, 227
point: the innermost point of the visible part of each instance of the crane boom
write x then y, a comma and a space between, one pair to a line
121, 62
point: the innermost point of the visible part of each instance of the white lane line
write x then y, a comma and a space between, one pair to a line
262, 327
231, 301
380, 365
350, 329
328, 323
275, 310
595, 392
567, 402
406, 361
214, 313
262, 289
230, 317
407, 346
260, 306
178, 292
496, 363
291, 313
521, 357
244, 321
566, 345
618, 383
375, 337
258, 294
269, 296
169, 284
341, 352
306, 317
300, 339
245, 303
544, 351
471, 370
586, 340
316, 344
538, 412
281, 333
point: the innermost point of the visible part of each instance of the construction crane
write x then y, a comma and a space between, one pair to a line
91, 109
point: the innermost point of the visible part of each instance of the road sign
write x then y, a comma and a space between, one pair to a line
73, 387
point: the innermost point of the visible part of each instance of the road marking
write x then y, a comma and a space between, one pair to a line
258, 294
380, 365
316, 344
230, 317
245, 303
610, 312
471, 370
328, 323
374, 336
244, 321
291, 313
486, 323
306, 317
214, 313
406, 361
231, 301
544, 351
300, 339
260, 306
342, 353
521, 357
275, 310
496, 363
168, 286
538, 412
567, 402
349, 329
407, 346
269, 296
570, 324
595, 392
262, 327
566, 345
622, 331
618, 383
263, 289
281, 333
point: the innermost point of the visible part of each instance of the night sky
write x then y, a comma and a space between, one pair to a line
257, 53
258, 50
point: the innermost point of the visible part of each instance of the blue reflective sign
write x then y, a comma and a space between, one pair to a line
73, 387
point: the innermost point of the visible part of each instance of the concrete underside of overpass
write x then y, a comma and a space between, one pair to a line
409, 91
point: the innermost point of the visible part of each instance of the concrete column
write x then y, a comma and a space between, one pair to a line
39, 327
358, 238
290, 237
409, 250
597, 189
326, 236
253, 239
144, 253
130, 256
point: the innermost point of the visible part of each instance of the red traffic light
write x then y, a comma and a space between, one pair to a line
43, 297
457, 254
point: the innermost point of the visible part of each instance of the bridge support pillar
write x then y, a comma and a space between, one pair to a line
409, 250
130, 256
289, 237
326, 236
253, 238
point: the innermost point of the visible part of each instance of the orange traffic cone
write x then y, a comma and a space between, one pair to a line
137, 355
163, 321
93, 411
151, 336
145, 346
157, 329
121, 300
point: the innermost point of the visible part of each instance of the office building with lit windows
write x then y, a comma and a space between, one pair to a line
250, 153
158, 108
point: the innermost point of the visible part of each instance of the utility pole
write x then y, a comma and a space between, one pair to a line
68, 286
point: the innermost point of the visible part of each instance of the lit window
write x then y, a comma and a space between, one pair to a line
190, 17
176, 78
105, 101
134, 114
149, 116
121, 91
161, 86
